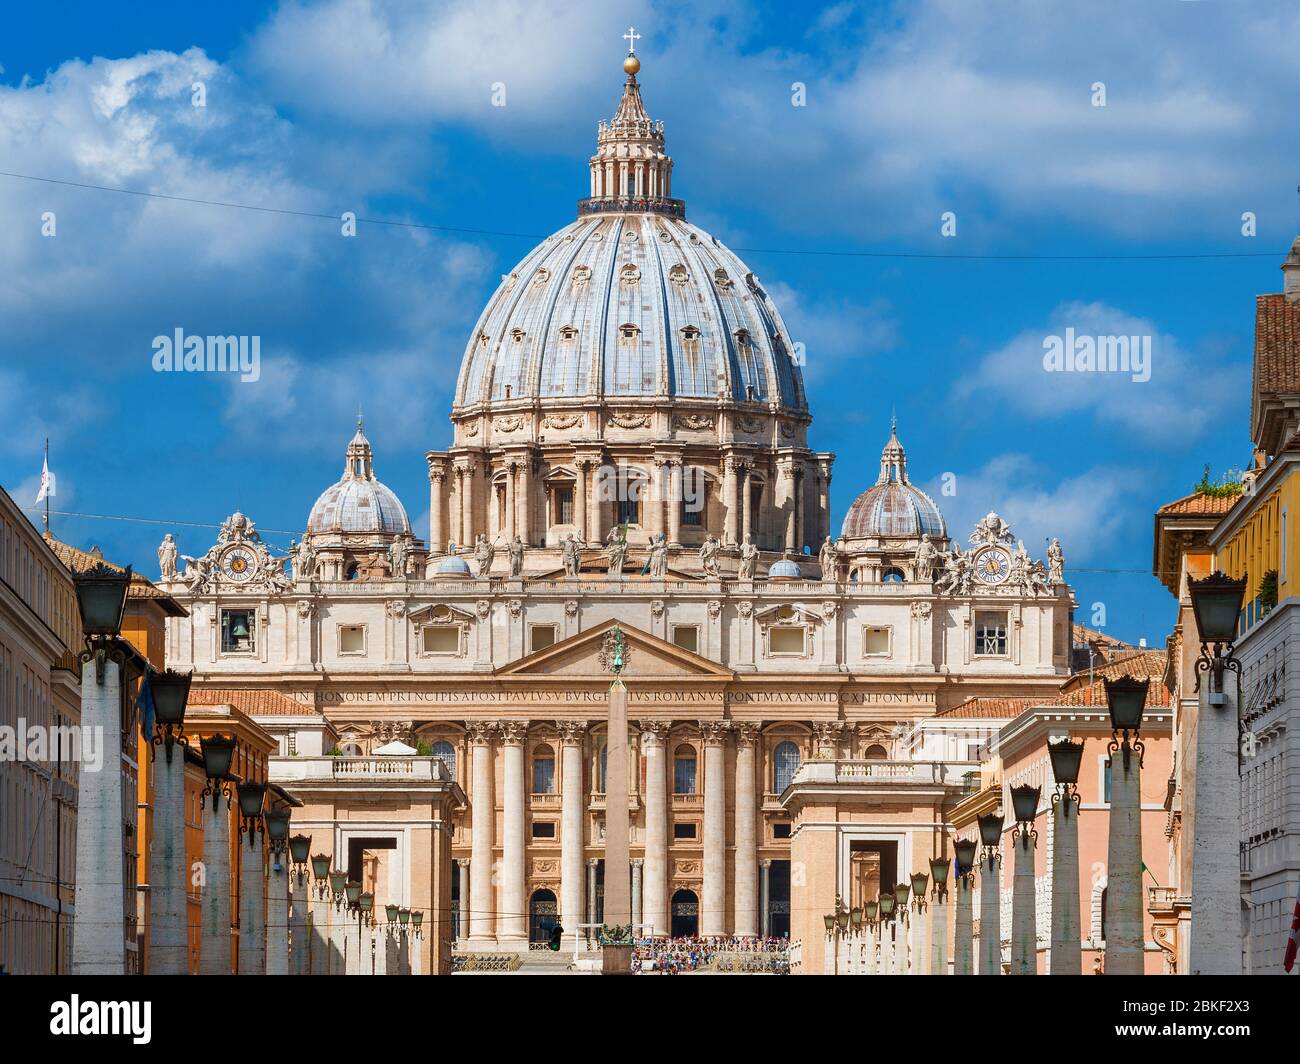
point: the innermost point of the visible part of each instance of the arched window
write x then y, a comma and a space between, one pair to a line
446, 753
892, 575
684, 770
785, 760
543, 770
876, 752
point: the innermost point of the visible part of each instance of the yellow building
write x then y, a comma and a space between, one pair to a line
1256, 539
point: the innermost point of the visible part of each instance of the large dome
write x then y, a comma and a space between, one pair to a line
358, 502
631, 305
893, 508
630, 301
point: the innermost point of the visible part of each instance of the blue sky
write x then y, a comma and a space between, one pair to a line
385, 109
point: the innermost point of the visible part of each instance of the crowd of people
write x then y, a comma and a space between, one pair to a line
673, 956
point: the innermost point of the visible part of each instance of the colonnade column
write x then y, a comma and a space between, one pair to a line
482, 925
1066, 956
939, 932
675, 503
572, 802
1024, 931
713, 915
637, 895
437, 523
655, 896
512, 922
746, 883
1124, 932
765, 898
168, 874
729, 537
593, 863
462, 868
214, 948
252, 880
990, 913
963, 962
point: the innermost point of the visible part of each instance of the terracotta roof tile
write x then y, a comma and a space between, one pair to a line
250, 703
1196, 504
990, 707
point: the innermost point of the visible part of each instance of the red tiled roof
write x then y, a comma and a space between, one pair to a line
994, 708
1277, 344
250, 703
1197, 504
1089, 689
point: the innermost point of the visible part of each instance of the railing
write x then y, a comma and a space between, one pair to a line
1165, 900
544, 800
308, 769
688, 801
598, 801
864, 771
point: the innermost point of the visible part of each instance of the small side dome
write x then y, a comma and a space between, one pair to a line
452, 566
359, 502
893, 507
784, 569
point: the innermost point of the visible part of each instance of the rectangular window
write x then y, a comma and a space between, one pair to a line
687, 636
786, 640
564, 505
540, 636
238, 632
352, 639
875, 642
1283, 546
684, 775
543, 829
693, 509
543, 775
684, 831
1105, 781
991, 633
440, 639
780, 831
629, 511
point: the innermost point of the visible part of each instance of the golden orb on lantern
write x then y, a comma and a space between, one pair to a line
631, 64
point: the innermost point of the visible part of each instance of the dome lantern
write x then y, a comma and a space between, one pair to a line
893, 508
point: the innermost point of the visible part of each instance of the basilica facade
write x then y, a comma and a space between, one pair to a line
631, 448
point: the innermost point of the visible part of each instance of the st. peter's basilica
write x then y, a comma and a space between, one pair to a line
631, 447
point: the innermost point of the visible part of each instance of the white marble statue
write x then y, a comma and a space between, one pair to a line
709, 550
516, 558
167, 558
748, 560
484, 552
571, 552
924, 559
829, 557
1055, 562
658, 562
397, 557
304, 561
616, 550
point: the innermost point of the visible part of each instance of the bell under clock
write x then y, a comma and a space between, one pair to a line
992, 565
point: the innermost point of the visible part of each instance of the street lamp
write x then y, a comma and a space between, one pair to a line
919, 883
417, 921
252, 796
101, 602
1216, 604
1126, 698
277, 831
403, 916
939, 873
171, 692
990, 831
299, 848
218, 753
965, 851
1067, 756
1024, 803
886, 909
901, 891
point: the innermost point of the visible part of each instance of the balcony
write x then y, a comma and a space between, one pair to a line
598, 801
361, 769
929, 773
688, 803
544, 801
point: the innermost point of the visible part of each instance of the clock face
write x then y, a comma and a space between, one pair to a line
992, 565
238, 564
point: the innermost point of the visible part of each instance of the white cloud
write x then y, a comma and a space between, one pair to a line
1175, 405
1089, 511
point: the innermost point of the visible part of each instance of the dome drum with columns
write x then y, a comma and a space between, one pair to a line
631, 371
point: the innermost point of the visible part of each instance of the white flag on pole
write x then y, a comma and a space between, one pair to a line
47, 483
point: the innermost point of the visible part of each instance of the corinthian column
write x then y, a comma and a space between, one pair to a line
655, 887
580, 501
482, 926
571, 815
713, 915
512, 923
437, 523
675, 502
729, 502
746, 886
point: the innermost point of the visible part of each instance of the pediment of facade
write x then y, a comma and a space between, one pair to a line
647, 657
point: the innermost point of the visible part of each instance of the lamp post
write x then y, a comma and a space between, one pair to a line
963, 961
168, 932
300, 933
99, 927
404, 941
1215, 931
214, 947
252, 879
338, 926
885, 910
352, 891
870, 911
837, 923
1125, 948
320, 914
990, 825
917, 948
277, 893
939, 916
1024, 930
1066, 956
902, 928
366, 956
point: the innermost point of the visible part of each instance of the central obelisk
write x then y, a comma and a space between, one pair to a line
618, 875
